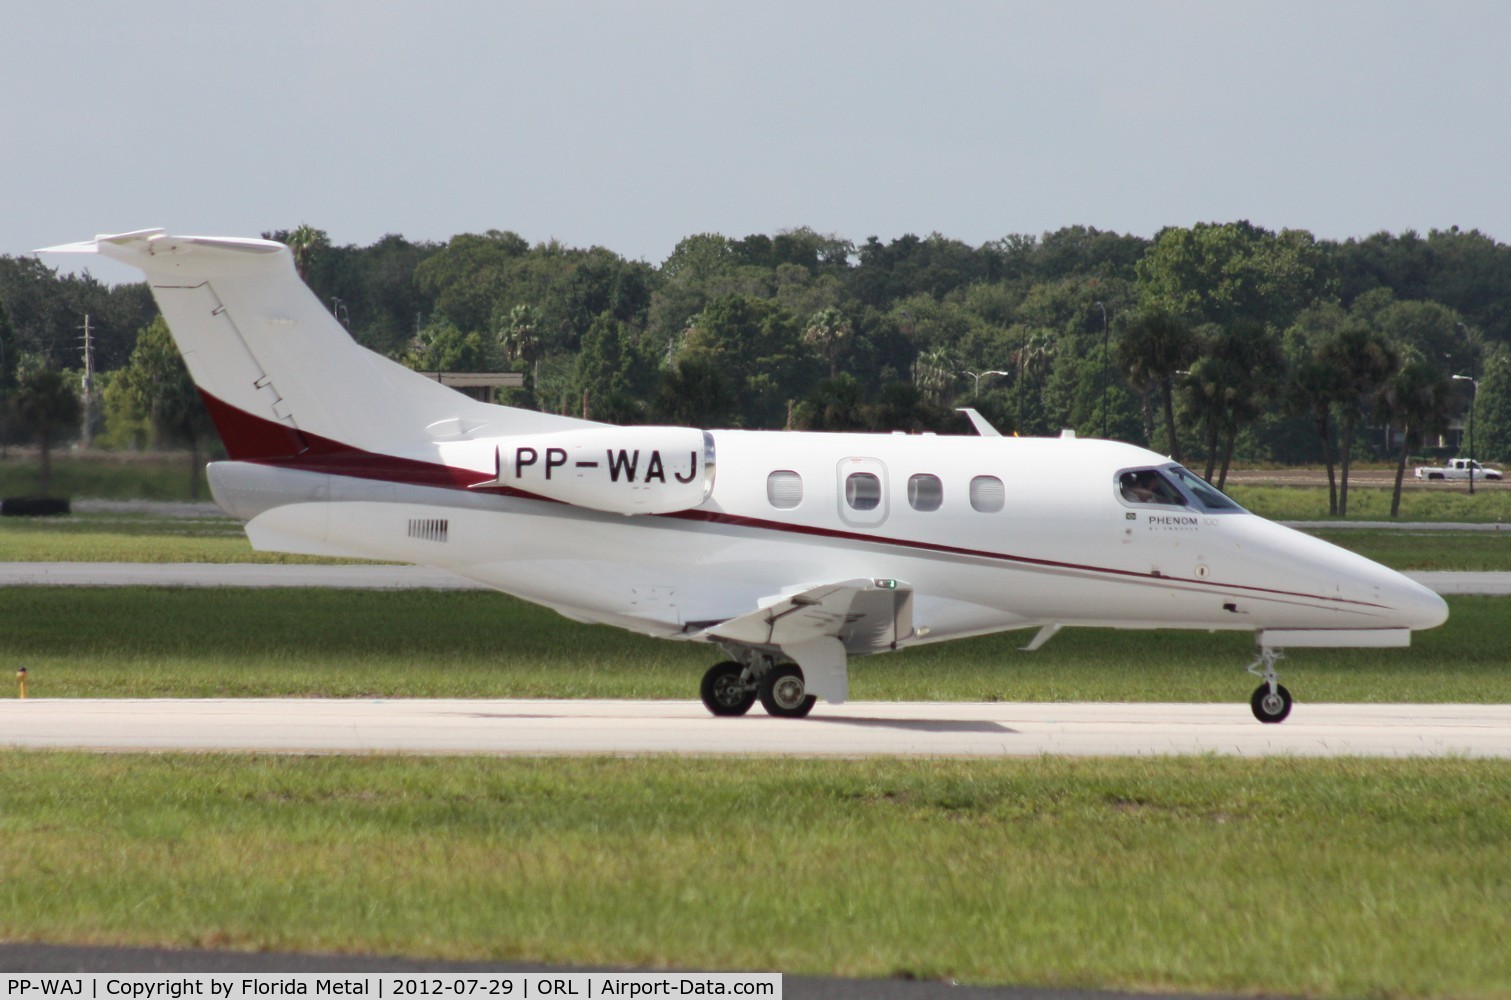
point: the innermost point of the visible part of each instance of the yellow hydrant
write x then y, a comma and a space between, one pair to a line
21, 681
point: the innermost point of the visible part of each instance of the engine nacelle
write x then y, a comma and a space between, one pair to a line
623, 470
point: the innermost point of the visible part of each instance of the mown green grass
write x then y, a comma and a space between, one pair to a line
105, 476
145, 538
167, 642
1438, 502
1411, 549
1326, 878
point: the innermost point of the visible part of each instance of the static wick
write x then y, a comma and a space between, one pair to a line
21, 681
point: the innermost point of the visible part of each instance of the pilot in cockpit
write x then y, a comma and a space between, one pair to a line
1148, 486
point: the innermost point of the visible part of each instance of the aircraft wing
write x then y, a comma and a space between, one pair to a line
820, 625
866, 615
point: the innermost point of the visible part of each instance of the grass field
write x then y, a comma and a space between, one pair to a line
104, 476
162, 642
1298, 877
133, 538
1438, 503
1410, 549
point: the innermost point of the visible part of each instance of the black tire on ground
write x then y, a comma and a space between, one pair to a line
783, 693
1271, 708
723, 692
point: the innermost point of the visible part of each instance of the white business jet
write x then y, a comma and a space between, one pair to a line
791, 552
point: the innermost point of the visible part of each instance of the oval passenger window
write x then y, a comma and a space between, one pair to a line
862, 491
784, 489
987, 494
925, 492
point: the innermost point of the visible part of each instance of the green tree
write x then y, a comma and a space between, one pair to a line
829, 333
1416, 400
7, 373
1365, 360
306, 243
1492, 408
934, 374
47, 405
695, 393
1249, 355
156, 385
837, 404
1153, 345
1217, 273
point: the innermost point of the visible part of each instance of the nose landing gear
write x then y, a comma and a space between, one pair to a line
1271, 702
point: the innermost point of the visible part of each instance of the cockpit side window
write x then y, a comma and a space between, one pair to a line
1149, 486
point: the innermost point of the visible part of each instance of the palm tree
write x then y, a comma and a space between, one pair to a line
305, 242
1154, 346
1313, 388
829, 333
519, 339
1418, 399
1364, 360
934, 374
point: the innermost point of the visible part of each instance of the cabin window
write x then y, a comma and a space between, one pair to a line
925, 492
862, 491
784, 489
1143, 486
987, 494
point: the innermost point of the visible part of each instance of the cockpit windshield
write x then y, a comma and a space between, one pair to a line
1164, 487
1207, 495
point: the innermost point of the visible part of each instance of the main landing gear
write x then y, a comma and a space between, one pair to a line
1271, 702
731, 687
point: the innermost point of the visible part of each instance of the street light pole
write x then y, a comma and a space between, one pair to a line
978, 376
1472, 401
1104, 368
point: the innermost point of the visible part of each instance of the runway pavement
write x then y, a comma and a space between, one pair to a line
858, 729
383, 577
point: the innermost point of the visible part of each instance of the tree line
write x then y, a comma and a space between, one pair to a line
1214, 343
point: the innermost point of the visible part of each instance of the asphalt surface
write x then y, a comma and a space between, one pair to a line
857, 729
41, 958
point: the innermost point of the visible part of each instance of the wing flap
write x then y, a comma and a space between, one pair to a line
867, 616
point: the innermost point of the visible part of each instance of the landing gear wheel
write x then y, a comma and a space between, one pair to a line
784, 694
724, 690
1271, 707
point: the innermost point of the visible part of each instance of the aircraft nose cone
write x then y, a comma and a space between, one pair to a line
1416, 606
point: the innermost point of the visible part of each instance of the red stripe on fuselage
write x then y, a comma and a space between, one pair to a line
249, 438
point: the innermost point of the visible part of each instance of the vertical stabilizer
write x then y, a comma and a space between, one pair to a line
259, 344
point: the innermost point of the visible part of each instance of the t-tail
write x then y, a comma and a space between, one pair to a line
281, 377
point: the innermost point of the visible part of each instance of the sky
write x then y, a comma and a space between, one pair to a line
632, 125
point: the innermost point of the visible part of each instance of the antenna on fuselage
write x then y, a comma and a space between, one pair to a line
983, 426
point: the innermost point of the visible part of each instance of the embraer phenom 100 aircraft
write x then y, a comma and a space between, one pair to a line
791, 552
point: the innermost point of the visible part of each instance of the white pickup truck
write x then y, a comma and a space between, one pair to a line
1457, 468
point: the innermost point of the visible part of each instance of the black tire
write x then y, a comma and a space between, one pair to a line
1434, 475
723, 692
1268, 709
783, 693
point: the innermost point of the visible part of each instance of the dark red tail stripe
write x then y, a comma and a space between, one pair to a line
249, 438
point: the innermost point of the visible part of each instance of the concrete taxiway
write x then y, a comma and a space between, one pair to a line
858, 729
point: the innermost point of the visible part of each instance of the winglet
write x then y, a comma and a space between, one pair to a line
983, 426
